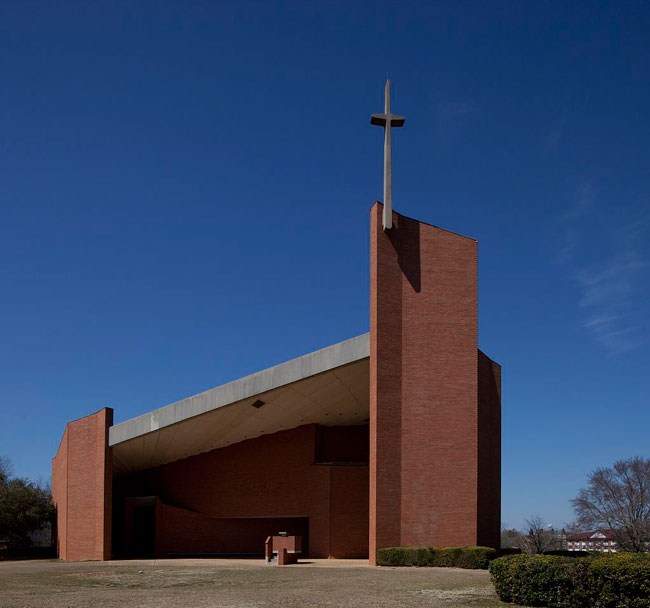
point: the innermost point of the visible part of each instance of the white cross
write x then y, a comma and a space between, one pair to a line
387, 120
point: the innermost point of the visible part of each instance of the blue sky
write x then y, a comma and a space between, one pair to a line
184, 196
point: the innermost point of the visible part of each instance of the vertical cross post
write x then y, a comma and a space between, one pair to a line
387, 120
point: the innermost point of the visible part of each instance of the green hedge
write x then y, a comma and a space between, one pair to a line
620, 580
446, 557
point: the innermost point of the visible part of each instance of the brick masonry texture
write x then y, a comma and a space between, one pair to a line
424, 400
181, 532
489, 452
267, 477
81, 488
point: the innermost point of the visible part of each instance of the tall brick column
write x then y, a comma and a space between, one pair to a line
489, 452
81, 488
424, 448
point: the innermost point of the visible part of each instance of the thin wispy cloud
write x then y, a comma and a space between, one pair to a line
610, 269
571, 223
451, 117
453, 110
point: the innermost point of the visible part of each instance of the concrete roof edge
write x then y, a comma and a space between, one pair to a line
311, 364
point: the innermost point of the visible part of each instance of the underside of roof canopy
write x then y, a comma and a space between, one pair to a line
328, 387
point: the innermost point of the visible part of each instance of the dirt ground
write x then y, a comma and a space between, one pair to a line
237, 584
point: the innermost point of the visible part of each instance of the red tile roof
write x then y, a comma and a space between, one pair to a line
608, 534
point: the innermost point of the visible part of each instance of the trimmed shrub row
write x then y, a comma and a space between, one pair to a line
567, 553
619, 580
445, 557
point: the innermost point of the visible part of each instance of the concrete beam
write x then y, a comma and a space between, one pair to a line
274, 377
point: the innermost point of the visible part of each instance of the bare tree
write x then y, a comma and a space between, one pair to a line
618, 498
509, 537
538, 538
573, 527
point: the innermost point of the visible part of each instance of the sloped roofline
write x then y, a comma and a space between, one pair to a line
311, 364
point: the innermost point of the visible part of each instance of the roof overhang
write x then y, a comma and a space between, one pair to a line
329, 386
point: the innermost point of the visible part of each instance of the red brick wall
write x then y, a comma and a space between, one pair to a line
385, 512
60, 494
489, 450
267, 477
179, 531
423, 386
349, 512
342, 444
81, 488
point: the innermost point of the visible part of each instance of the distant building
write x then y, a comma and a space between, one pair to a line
600, 540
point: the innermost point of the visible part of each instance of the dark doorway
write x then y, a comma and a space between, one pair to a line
140, 527
144, 530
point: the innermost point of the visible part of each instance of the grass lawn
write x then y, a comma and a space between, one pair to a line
72, 585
